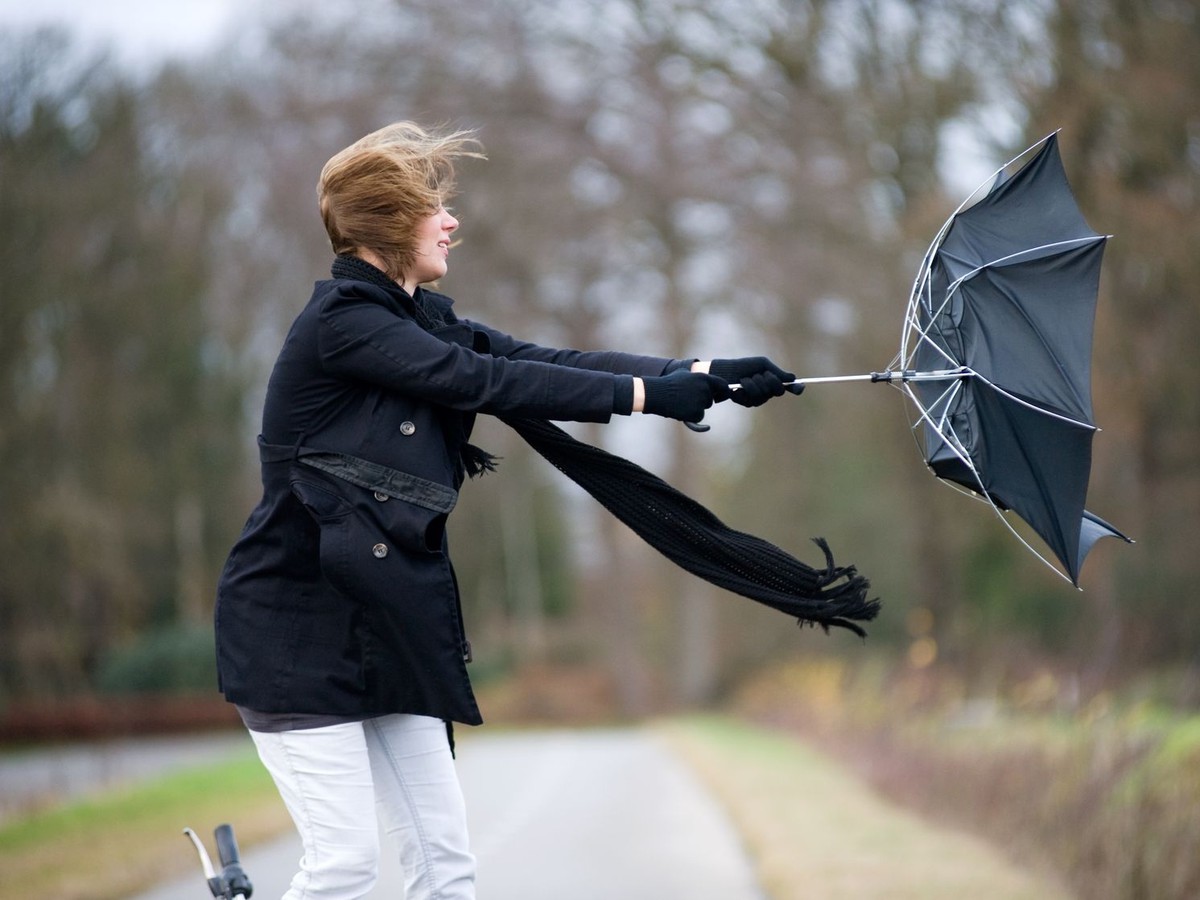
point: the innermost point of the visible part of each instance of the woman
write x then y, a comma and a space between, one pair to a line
339, 629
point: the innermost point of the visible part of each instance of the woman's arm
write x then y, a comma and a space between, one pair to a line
359, 337
614, 361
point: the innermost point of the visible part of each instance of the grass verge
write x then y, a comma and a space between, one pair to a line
815, 830
126, 840
1104, 795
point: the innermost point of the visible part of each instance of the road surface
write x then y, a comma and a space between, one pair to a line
586, 815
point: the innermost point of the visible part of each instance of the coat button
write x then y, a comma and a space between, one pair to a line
407, 428
380, 551
381, 496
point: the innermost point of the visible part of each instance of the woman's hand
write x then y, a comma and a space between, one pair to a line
758, 379
681, 395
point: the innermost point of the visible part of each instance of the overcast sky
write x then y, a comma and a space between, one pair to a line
145, 32
141, 31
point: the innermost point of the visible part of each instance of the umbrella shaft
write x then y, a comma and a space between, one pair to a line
905, 375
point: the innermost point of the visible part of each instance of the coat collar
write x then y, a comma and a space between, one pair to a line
430, 309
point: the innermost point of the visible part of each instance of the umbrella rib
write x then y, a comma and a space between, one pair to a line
1033, 406
941, 429
924, 272
987, 182
946, 398
912, 324
910, 315
923, 336
941, 351
1028, 546
956, 447
921, 283
1073, 242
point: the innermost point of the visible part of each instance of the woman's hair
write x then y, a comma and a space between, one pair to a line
374, 193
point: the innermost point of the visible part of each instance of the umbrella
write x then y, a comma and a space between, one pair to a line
995, 354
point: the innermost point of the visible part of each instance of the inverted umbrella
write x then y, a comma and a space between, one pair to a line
996, 349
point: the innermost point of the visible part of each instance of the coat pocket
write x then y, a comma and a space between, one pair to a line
324, 501
331, 512
391, 506
406, 525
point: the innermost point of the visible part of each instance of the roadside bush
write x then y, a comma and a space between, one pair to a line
175, 659
164, 682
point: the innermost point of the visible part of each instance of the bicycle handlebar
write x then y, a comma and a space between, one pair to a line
232, 883
227, 850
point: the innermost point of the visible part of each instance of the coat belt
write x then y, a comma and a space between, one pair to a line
366, 474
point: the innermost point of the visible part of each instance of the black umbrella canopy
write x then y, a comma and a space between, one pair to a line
1008, 298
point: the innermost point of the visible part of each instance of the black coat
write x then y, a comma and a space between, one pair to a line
339, 596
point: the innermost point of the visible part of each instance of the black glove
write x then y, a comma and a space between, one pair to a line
759, 379
683, 395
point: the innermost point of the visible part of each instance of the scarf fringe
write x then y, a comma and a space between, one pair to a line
476, 461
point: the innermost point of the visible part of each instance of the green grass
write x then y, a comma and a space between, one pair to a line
116, 843
815, 830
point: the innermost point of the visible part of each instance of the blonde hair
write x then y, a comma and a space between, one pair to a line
374, 193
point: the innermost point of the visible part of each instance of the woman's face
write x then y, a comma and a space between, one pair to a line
433, 249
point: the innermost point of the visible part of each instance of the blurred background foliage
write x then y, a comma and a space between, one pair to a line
667, 176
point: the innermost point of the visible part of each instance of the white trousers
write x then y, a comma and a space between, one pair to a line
333, 779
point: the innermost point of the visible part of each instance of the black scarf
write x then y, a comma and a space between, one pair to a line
677, 526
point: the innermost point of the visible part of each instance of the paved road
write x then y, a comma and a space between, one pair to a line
586, 815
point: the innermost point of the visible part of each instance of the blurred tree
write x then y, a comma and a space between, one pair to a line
852, 136
1123, 81
683, 177
117, 417
914, 80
